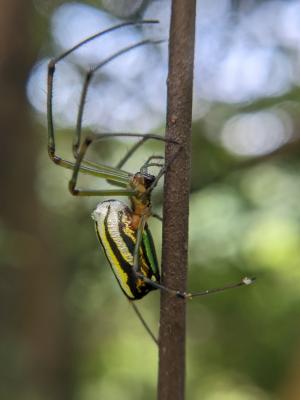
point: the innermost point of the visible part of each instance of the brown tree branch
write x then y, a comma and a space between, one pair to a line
171, 384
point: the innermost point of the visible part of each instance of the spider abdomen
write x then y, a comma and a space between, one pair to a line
113, 222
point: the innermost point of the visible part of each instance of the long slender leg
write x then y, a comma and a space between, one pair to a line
144, 137
157, 216
183, 295
246, 281
51, 71
144, 323
97, 137
135, 147
243, 282
162, 171
109, 173
149, 163
100, 136
105, 174
176, 293
138, 242
99, 170
94, 170
87, 82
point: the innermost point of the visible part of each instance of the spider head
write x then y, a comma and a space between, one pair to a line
142, 181
148, 179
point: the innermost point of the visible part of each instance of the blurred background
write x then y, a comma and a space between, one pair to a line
66, 330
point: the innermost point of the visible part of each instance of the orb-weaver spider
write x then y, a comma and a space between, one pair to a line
122, 231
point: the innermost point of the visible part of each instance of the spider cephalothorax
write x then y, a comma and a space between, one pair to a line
142, 182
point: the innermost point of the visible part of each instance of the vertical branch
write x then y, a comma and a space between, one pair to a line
171, 383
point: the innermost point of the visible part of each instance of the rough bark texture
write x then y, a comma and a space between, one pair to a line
171, 383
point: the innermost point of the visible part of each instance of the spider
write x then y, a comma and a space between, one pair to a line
122, 231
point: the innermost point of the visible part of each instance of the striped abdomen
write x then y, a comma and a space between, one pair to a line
113, 226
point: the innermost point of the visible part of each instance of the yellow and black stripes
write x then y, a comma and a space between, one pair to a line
112, 220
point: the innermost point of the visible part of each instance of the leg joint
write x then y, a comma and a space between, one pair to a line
57, 160
72, 189
51, 66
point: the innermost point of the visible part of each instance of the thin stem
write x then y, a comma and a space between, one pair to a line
171, 382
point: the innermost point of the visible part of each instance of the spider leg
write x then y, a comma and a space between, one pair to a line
136, 258
106, 172
144, 323
153, 157
182, 295
77, 138
144, 138
243, 282
176, 293
137, 145
93, 169
97, 137
113, 175
120, 178
157, 216
87, 81
139, 234
246, 281
51, 71
149, 163
163, 170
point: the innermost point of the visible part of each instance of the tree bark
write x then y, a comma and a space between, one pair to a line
171, 381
